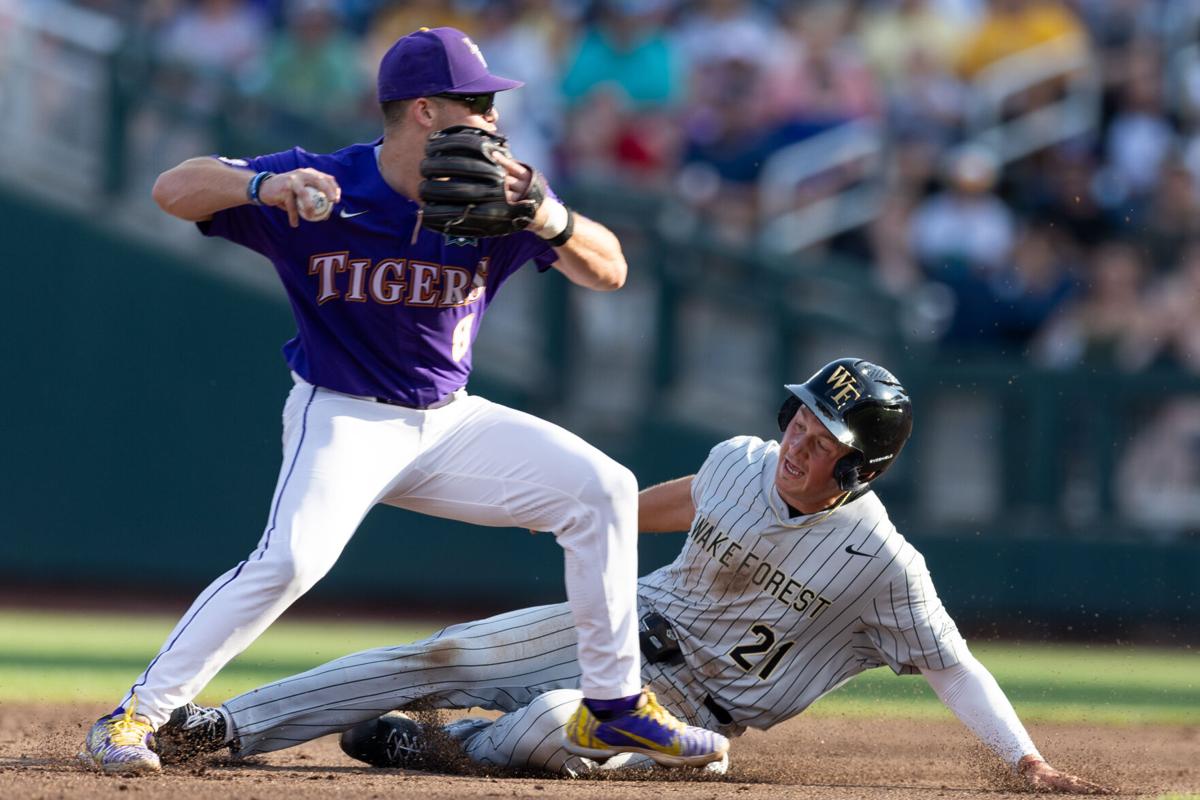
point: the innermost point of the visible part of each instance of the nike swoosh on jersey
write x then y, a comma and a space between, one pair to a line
347, 215
850, 549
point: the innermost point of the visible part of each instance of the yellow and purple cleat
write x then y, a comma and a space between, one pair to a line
119, 744
648, 729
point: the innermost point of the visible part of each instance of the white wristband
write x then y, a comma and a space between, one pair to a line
556, 219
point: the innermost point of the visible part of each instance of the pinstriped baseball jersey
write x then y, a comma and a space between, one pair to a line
773, 611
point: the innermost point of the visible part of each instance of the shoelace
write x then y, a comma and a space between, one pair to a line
125, 730
659, 714
398, 743
206, 718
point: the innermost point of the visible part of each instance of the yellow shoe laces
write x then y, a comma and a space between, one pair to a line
126, 730
659, 714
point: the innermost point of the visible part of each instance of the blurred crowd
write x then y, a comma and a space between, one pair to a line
1082, 251
1085, 250
1076, 249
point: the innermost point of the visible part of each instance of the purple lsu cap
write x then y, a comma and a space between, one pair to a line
436, 61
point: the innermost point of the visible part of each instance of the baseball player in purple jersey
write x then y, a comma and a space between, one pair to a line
792, 580
386, 312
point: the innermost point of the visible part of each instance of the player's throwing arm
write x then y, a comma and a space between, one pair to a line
200, 187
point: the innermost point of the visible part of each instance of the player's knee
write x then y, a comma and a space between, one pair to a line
624, 486
555, 707
612, 491
445, 653
288, 576
539, 745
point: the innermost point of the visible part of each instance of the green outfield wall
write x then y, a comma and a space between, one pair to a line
140, 429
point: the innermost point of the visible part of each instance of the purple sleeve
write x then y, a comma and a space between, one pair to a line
531, 246
545, 259
259, 228
515, 250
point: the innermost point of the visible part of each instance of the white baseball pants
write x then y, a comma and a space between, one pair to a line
468, 459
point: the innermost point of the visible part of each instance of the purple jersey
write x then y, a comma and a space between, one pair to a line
377, 314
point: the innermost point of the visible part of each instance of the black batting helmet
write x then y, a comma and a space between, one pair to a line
864, 407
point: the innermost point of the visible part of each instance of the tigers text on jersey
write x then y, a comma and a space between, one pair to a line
383, 307
773, 611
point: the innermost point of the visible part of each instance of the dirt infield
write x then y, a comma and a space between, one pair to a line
811, 757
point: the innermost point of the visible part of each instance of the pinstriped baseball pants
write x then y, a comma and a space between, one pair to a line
506, 663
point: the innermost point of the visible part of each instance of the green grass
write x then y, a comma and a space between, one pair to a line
62, 657
1107, 684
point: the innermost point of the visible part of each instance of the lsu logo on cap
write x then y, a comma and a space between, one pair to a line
845, 384
475, 51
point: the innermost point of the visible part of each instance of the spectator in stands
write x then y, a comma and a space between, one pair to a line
1004, 308
1116, 24
894, 31
1171, 335
966, 227
912, 49
728, 31
593, 134
740, 111
821, 78
312, 67
896, 269
522, 50
1013, 26
1173, 217
1107, 325
622, 74
726, 120
1139, 138
1059, 187
219, 37
625, 49
727, 140
926, 105
1038, 282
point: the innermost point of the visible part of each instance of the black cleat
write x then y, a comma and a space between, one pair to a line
393, 741
191, 731
397, 741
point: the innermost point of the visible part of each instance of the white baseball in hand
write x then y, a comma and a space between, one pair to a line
315, 207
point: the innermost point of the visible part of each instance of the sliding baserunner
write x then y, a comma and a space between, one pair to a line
792, 581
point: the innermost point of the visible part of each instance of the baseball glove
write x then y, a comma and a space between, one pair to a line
463, 190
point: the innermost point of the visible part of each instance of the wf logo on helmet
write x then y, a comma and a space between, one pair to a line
844, 383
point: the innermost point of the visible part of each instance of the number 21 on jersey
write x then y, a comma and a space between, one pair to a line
771, 654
